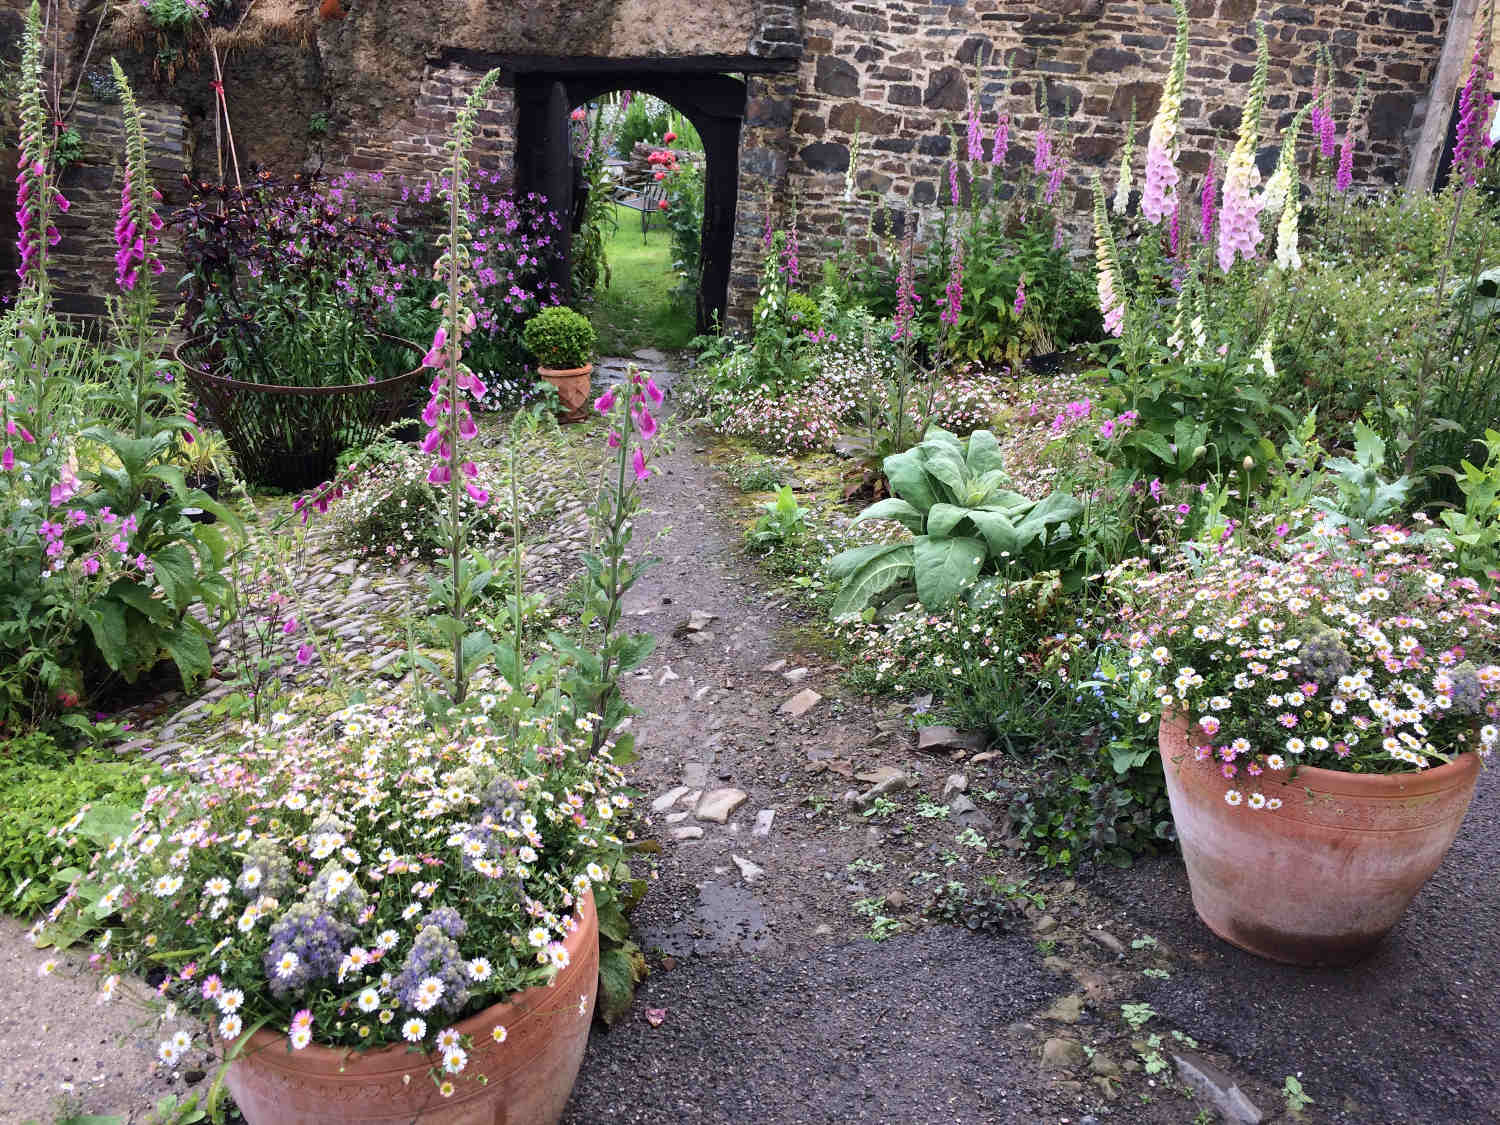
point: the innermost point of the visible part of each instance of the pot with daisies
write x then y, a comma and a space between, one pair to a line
371, 919
563, 341
1323, 713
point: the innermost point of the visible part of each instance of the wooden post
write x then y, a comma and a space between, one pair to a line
1452, 69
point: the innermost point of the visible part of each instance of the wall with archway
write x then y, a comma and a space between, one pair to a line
713, 102
390, 76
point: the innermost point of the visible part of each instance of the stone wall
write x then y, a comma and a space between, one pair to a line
901, 70
389, 77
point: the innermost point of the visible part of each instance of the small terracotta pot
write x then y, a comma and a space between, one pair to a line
529, 1076
573, 384
1322, 879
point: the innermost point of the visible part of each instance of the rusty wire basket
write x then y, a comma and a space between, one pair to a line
290, 437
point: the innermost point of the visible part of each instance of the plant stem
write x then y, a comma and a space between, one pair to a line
450, 316
1437, 312
515, 534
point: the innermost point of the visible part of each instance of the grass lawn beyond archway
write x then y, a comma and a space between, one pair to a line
640, 307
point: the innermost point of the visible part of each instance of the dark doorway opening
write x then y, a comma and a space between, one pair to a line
714, 103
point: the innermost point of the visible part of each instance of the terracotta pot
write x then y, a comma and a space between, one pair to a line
573, 385
529, 1076
1322, 879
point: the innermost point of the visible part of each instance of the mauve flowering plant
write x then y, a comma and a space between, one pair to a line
359, 881
1367, 656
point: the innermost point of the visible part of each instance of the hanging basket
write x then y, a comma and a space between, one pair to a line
291, 437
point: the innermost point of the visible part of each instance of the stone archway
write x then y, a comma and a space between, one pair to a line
713, 102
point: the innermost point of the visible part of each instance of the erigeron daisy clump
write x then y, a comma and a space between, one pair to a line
360, 881
1366, 656
392, 510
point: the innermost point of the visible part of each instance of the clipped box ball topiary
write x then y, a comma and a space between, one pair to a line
560, 338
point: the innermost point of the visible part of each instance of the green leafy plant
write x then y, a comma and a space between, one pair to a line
1474, 532
1022, 294
781, 521
43, 786
952, 496
1296, 1098
1186, 414
1363, 498
1137, 1015
69, 147
685, 223
560, 338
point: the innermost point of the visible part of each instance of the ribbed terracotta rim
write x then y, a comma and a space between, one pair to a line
1371, 786
269, 1045
564, 372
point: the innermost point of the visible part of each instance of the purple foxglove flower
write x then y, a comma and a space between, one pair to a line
605, 402
1042, 161
1054, 180
477, 494
1000, 143
1206, 205
439, 474
1343, 179
8, 459
1472, 138
638, 463
653, 392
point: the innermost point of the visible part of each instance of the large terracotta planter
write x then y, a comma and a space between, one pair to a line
573, 385
1322, 879
529, 1076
